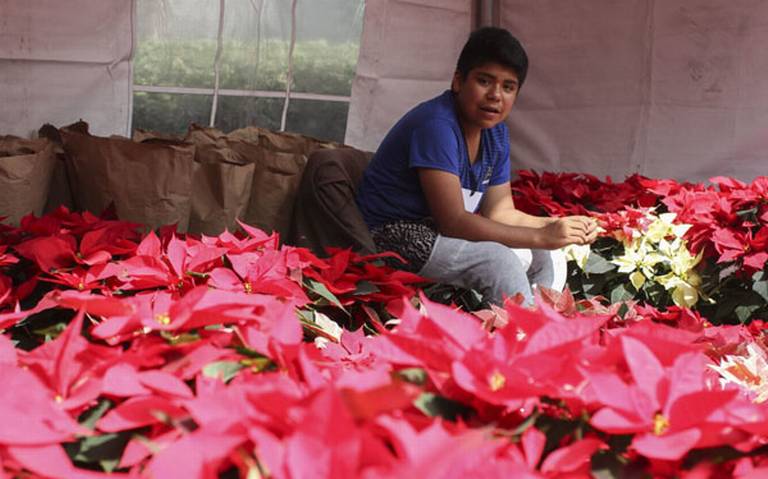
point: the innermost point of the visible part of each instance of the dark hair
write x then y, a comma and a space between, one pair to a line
492, 44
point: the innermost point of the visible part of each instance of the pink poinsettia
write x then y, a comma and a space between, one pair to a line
70, 366
537, 353
668, 408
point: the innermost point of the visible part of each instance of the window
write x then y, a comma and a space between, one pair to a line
230, 64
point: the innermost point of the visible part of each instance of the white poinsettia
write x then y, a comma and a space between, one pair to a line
639, 261
329, 328
578, 253
659, 254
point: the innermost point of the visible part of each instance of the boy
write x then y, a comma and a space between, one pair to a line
437, 190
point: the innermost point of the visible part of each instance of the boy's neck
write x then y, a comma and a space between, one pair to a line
472, 140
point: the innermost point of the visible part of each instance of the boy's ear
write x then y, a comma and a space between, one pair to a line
456, 82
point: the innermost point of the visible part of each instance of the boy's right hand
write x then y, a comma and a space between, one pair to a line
569, 230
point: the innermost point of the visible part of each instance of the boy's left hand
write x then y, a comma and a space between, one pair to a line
590, 228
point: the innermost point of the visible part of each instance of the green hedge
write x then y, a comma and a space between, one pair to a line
319, 67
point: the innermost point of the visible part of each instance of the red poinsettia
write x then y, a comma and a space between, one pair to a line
751, 249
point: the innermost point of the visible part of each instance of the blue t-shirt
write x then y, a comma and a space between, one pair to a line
429, 136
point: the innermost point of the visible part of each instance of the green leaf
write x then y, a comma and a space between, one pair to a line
595, 285
183, 338
196, 274
433, 405
306, 315
321, 290
744, 311
250, 353
748, 212
760, 285
712, 455
657, 295
416, 376
109, 465
88, 418
596, 264
259, 364
607, 465
105, 450
620, 293
225, 370
556, 429
527, 422
365, 287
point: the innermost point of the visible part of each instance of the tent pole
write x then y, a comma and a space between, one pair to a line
485, 13
289, 73
129, 124
217, 65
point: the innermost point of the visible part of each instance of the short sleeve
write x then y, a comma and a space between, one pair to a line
435, 145
502, 165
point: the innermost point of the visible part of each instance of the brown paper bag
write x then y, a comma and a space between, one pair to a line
279, 167
26, 169
275, 184
222, 182
140, 136
149, 183
60, 192
271, 140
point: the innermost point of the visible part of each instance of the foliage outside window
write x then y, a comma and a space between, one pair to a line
174, 65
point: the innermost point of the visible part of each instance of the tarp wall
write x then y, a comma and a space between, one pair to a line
673, 88
666, 88
408, 54
62, 61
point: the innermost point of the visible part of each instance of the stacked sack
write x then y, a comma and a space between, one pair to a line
202, 182
26, 170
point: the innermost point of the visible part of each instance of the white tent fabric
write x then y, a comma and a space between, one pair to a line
672, 88
408, 54
667, 89
62, 61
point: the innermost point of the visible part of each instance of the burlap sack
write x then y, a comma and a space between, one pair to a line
149, 182
26, 169
222, 183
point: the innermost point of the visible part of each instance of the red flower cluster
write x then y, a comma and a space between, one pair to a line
561, 194
186, 358
729, 218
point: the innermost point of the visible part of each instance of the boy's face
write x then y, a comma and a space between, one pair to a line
486, 96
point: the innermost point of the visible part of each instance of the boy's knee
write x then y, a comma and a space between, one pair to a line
524, 255
502, 260
506, 276
549, 268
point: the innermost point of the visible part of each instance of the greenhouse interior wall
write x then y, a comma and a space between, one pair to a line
665, 89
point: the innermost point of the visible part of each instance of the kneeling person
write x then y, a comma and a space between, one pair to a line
437, 189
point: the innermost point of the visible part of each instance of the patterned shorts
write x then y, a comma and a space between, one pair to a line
413, 240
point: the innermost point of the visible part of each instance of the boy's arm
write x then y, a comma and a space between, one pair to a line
443, 193
498, 205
